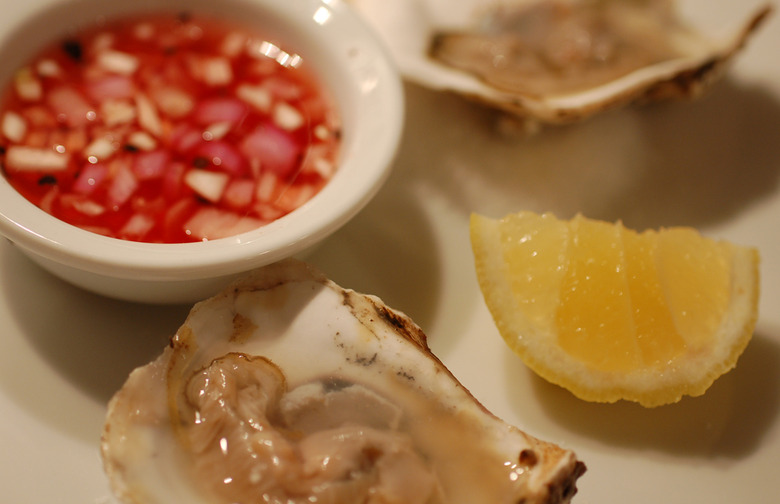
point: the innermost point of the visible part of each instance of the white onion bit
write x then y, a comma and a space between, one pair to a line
27, 86
14, 127
101, 148
207, 184
148, 117
23, 158
256, 96
118, 62
288, 117
142, 140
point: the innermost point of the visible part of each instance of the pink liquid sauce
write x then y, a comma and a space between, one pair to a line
167, 129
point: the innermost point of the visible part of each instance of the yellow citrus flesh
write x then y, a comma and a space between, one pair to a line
609, 313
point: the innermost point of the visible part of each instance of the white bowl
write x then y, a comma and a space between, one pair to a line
350, 62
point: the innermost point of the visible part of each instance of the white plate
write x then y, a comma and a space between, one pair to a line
713, 164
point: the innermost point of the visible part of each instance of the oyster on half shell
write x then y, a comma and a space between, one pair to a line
286, 388
557, 61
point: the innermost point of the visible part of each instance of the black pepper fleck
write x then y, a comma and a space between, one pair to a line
47, 180
73, 49
200, 162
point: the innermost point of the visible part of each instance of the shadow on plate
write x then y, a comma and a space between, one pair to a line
388, 250
673, 163
91, 341
729, 420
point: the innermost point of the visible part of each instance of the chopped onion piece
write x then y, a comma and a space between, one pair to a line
27, 86
217, 131
211, 223
151, 165
118, 62
256, 96
90, 177
288, 117
111, 87
142, 140
116, 112
219, 110
267, 186
123, 186
215, 71
14, 126
82, 205
210, 185
100, 149
239, 193
148, 117
275, 149
48, 68
144, 31
322, 167
103, 41
173, 101
233, 43
137, 226
70, 106
23, 158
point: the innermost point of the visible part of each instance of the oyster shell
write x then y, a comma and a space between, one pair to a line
556, 61
287, 388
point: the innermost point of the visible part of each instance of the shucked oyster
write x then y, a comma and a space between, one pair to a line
286, 388
555, 61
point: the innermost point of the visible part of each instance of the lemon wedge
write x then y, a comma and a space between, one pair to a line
610, 313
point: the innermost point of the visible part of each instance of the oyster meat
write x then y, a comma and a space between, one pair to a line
556, 61
286, 388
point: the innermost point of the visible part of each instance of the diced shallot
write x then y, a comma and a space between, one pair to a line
288, 117
90, 177
217, 131
123, 185
267, 187
141, 140
222, 155
294, 196
184, 138
214, 71
239, 193
114, 112
217, 110
148, 117
70, 106
233, 43
48, 68
173, 180
27, 86
14, 126
23, 158
137, 226
210, 223
173, 101
100, 148
276, 149
111, 87
209, 185
82, 205
257, 96
151, 165
118, 62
